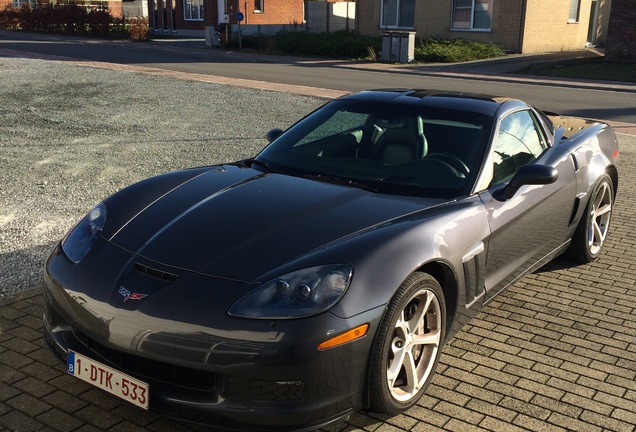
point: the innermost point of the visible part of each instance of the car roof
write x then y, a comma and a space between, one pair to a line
478, 103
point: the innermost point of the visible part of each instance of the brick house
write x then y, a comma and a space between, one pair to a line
517, 25
197, 14
621, 34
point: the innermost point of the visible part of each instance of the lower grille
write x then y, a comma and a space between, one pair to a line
151, 370
277, 390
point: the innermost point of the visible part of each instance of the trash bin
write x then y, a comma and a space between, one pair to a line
398, 46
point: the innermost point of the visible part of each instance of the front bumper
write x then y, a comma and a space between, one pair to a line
268, 376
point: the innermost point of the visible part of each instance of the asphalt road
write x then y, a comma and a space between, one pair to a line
565, 97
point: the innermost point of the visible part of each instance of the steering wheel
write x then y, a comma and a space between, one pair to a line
451, 160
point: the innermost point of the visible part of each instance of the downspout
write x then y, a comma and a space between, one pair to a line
522, 20
169, 23
160, 10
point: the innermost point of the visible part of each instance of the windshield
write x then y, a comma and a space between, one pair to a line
402, 149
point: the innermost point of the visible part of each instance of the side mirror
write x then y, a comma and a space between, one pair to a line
529, 175
273, 134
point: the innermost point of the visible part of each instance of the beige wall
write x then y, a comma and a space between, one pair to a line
504, 30
433, 18
506, 24
547, 28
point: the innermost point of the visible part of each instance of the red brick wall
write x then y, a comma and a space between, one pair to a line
115, 8
275, 12
620, 45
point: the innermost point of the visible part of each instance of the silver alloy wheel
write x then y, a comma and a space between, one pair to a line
600, 214
416, 340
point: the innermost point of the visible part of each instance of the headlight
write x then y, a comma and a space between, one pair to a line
81, 238
298, 294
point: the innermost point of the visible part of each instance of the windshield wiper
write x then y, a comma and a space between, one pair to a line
340, 181
253, 161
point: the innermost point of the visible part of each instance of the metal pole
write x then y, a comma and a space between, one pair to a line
238, 5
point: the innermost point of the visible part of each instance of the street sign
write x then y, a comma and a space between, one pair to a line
240, 16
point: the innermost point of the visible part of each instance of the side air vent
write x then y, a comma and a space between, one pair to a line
157, 274
474, 269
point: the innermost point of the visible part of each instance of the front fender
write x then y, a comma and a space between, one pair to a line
384, 257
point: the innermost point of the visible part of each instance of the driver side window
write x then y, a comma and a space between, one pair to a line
519, 142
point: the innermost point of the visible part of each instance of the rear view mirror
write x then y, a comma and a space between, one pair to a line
273, 134
529, 175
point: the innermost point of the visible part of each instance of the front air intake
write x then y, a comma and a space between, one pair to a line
155, 273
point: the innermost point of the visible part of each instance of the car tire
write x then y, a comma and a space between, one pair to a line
589, 238
408, 345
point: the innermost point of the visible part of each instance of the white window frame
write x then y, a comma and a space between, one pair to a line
575, 11
398, 7
474, 4
259, 6
187, 11
20, 3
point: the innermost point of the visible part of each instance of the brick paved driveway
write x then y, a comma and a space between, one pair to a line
557, 351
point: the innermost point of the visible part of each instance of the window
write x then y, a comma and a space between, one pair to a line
20, 3
381, 146
575, 8
193, 10
259, 5
518, 143
472, 15
398, 13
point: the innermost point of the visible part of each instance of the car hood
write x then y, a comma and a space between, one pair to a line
239, 223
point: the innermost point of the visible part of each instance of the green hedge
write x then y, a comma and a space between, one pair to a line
438, 50
63, 19
349, 45
341, 44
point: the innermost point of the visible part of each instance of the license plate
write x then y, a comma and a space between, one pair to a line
108, 379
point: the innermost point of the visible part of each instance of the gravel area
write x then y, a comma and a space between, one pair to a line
71, 135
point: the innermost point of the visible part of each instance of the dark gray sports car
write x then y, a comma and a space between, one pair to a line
324, 275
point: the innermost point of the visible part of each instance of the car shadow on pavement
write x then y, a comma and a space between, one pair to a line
21, 270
